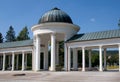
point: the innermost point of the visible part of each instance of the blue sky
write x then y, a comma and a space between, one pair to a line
90, 15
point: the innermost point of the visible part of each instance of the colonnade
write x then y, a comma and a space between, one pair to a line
11, 61
75, 58
54, 53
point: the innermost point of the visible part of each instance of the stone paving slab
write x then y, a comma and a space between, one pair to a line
74, 76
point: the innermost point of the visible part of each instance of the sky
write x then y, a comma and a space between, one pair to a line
90, 15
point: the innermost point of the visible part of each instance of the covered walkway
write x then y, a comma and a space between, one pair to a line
12, 52
90, 41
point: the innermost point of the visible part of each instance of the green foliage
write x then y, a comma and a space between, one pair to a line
10, 35
80, 58
61, 53
95, 58
119, 23
112, 58
23, 35
1, 38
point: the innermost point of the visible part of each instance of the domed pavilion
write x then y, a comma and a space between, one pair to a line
53, 27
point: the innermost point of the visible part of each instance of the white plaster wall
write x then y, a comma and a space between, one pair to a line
16, 49
64, 28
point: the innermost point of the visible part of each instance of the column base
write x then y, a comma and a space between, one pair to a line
36, 70
100, 70
22, 70
83, 70
3, 70
52, 70
12, 70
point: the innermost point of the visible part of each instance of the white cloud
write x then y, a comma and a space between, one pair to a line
92, 19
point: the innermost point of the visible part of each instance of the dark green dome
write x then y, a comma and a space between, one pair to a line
55, 15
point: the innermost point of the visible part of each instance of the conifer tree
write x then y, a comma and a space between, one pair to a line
1, 38
24, 34
119, 23
10, 35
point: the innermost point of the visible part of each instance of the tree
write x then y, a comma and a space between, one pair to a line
1, 38
119, 23
24, 34
10, 36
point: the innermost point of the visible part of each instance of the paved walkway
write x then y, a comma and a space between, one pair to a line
60, 76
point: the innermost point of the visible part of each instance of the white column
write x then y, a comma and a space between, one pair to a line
75, 59
69, 59
23, 61
90, 59
46, 57
17, 61
105, 66
33, 57
119, 57
37, 54
65, 56
13, 58
3, 61
53, 38
83, 59
57, 53
100, 58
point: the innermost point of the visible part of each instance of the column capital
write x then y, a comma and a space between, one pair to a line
53, 34
83, 47
3, 52
37, 35
13, 52
23, 52
118, 45
100, 46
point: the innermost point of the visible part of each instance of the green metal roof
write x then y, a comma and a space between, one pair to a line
95, 36
16, 44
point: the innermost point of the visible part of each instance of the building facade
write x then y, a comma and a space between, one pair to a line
55, 26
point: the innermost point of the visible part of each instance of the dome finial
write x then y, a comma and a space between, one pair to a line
55, 8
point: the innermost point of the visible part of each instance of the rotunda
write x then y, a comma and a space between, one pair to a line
54, 26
